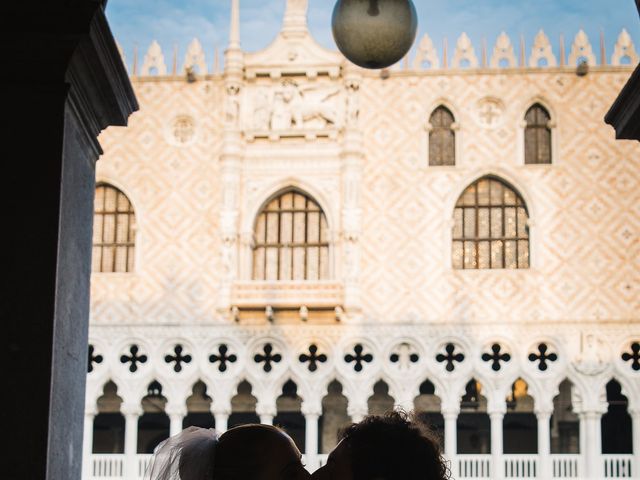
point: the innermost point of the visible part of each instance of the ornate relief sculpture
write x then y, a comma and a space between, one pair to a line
232, 106
293, 107
592, 359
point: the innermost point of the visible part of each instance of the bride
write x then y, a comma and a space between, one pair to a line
248, 452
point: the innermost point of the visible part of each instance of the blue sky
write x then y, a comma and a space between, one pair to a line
176, 22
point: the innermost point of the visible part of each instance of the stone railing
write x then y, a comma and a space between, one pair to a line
564, 466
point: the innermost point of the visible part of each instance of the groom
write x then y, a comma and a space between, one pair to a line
390, 447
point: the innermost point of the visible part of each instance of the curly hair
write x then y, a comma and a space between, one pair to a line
394, 446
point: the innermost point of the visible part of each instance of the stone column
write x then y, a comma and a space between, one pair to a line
176, 416
592, 453
311, 416
74, 78
87, 443
222, 421
266, 412
131, 416
357, 410
451, 438
544, 443
497, 467
635, 425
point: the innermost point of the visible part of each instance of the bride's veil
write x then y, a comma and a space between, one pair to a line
187, 456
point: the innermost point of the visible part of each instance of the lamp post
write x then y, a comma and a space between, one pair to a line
374, 33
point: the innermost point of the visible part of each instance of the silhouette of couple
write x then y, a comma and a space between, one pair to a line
394, 446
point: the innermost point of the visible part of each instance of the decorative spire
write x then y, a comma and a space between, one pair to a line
135, 60
234, 28
563, 53
295, 18
603, 51
445, 53
523, 62
216, 60
484, 52
174, 67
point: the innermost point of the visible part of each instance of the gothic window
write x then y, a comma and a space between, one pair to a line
442, 138
113, 231
291, 240
490, 227
537, 136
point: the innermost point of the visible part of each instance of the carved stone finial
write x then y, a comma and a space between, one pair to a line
234, 28
295, 18
154, 59
624, 48
581, 49
542, 50
503, 51
426, 55
194, 58
464, 52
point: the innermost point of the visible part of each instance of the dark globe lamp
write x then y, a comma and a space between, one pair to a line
374, 33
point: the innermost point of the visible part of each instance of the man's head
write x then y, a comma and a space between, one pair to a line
257, 452
390, 447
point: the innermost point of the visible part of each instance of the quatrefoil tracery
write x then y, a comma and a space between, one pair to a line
359, 358
450, 356
93, 358
313, 358
267, 358
495, 357
633, 356
134, 359
543, 357
178, 358
223, 357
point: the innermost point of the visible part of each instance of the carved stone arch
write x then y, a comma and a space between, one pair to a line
259, 200
525, 106
456, 238
496, 172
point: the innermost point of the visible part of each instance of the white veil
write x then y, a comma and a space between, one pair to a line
189, 455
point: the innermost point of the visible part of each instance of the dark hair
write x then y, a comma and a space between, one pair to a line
394, 446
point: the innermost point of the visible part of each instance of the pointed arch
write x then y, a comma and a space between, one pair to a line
490, 227
442, 137
291, 239
114, 231
538, 145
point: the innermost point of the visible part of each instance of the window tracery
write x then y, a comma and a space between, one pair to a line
291, 240
537, 136
490, 227
442, 138
114, 226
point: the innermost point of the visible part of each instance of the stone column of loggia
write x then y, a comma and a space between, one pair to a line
497, 448
544, 443
131, 416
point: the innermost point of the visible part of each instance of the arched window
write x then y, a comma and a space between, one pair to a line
537, 136
291, 240
113, 231
442, 138
490, 227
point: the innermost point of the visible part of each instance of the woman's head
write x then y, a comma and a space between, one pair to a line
394, 446
258, 452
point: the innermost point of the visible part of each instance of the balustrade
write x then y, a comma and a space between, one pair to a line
477, 467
